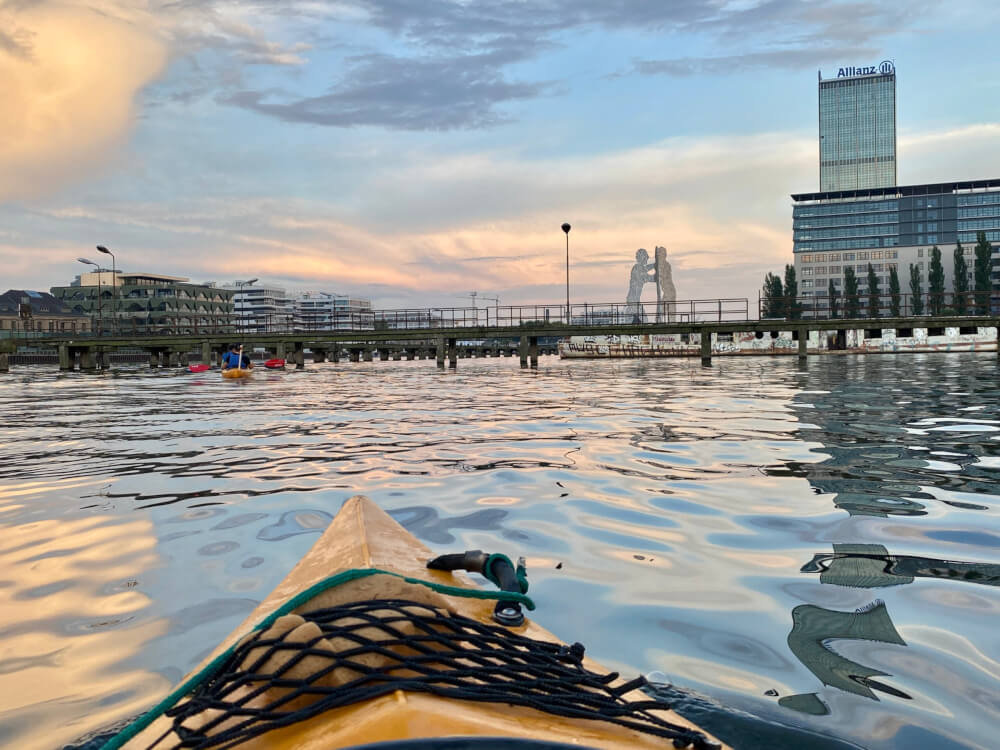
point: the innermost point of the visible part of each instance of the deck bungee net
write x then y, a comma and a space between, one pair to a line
296, 666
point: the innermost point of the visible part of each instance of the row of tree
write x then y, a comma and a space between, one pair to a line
781, 298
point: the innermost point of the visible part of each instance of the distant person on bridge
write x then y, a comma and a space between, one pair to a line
235, 358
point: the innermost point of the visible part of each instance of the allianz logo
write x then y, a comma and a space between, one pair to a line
884, 68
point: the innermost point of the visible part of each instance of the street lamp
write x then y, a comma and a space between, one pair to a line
100, 313
239, 285
566, 227
114, 288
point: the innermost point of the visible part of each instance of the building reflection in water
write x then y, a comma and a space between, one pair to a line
873, 471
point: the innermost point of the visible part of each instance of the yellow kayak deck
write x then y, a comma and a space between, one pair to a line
235, 372
364, 536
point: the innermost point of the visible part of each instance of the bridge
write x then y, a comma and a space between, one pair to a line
445, 333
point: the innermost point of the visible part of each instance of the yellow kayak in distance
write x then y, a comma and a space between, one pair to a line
236, 372
362, 643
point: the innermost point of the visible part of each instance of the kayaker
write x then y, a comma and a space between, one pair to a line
233, 358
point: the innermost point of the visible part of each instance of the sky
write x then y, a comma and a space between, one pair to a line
414, 151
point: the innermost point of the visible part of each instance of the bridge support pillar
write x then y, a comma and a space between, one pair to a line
368, 355
335, 354
279, 350
87, 359
355, 355
441, 343
533, 351
154, 358
411, 354
397, 355
803, 342
4, 362
299, 356
104, 359
206, 353
523, 350
183, 359
319, 355
173, 359
706, 349
65, 357
452, 353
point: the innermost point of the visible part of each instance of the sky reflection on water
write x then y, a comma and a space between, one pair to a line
818, 545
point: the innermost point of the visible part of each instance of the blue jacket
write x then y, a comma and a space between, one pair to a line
232, 359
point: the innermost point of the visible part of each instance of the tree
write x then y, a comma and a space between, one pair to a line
981, 274
873, 293
792, 293
915, 291
894, 291
961, 281
831, 293
935, 282
852, 306
773, 303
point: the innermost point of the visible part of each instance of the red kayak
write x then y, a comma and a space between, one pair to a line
199, 368
274, 364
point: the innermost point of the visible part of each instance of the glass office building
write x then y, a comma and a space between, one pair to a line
889, 227
857, 129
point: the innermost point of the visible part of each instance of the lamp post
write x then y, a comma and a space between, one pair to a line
100, 312
566, 227
239, 286
114, 288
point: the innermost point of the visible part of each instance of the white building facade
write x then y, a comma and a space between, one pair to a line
261, 309
325, 311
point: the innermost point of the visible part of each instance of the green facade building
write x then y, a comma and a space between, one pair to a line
128, 303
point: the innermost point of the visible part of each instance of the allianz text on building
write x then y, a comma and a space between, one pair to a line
857, 127
890, 227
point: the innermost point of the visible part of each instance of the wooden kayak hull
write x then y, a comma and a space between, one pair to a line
362, 535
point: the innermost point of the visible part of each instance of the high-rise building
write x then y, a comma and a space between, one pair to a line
857, 128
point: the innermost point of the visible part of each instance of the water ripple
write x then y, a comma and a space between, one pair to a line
817, 545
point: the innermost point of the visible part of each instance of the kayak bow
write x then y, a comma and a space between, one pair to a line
369, 577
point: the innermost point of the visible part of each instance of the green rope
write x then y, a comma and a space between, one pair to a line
295, 602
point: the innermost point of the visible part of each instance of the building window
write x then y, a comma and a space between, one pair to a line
848, 256
834, 257
807, 259
834, 269
862, 256
807, 272
877, 255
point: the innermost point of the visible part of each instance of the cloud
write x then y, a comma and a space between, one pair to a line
789, 59
456, 74
406, 94
70, 78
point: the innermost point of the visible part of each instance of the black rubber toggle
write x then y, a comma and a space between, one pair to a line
503, 573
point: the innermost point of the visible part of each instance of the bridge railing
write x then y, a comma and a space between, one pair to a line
583, 314
880, 305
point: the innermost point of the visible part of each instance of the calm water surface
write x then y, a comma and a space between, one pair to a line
817, 545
